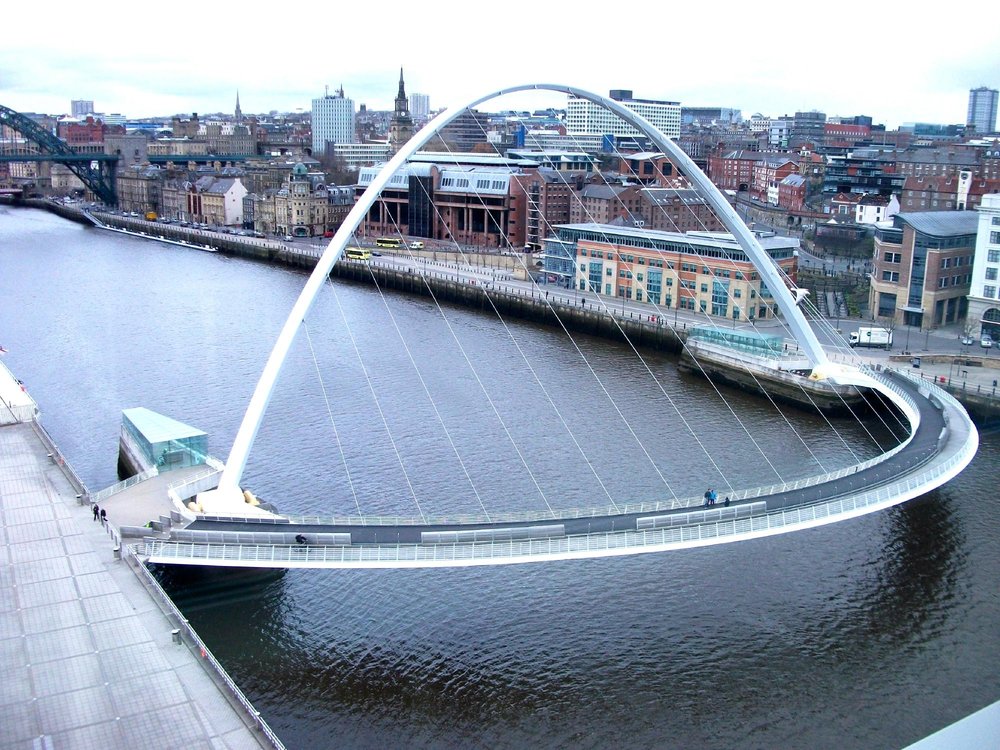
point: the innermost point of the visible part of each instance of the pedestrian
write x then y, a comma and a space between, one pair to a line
726, 503
708, 497
104, 516
97, 512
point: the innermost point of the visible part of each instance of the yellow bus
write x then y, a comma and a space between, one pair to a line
358, 253
390, 242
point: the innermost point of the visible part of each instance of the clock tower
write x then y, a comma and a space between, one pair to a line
401, 126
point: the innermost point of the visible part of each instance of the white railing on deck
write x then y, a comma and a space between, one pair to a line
102, 495
962, 449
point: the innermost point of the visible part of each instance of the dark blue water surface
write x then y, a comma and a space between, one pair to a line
866, 634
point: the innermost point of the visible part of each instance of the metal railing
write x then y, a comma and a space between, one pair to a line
195, 642
955, 454
102, 495
83, 494
618, 542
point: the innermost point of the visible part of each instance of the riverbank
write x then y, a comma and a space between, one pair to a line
453, 278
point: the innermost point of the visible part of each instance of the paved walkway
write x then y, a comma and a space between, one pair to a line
86, 655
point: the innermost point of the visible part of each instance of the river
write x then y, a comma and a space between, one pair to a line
870, 633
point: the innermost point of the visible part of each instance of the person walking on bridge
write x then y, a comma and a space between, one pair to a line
97, 511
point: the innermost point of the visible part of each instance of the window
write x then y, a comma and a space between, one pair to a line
704, 288
991, 274
995, 238
946, 263
893, 257
990, 291
993, 256
890, 276
608, 272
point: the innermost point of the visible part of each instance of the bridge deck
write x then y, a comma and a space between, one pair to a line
942, 443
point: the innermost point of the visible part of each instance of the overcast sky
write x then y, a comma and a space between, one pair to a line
144, 60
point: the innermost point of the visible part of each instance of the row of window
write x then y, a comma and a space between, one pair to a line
946, 281
961, 260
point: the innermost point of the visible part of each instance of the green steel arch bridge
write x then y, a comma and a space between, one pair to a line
96, 171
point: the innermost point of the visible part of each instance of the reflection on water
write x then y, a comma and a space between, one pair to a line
869, 633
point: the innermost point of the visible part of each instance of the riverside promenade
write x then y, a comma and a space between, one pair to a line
90, 655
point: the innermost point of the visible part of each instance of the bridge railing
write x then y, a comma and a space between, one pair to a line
203, 480
940, 465
198, 645
569, 546
102, 495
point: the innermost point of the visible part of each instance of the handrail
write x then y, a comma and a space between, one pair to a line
578, 545
83, 494
173, 613
102, 495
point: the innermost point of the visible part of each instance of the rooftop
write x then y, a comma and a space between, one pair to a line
940, 223
158, 428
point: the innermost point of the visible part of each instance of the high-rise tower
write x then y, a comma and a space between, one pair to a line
332, 121
982, 110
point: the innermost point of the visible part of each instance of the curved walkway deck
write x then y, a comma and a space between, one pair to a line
942, 442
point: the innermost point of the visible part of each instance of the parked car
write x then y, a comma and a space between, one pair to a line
967, 341
416, 245
986, 341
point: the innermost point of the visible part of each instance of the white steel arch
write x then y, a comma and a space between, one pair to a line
229, 493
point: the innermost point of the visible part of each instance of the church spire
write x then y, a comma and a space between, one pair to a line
402, 106
239, 112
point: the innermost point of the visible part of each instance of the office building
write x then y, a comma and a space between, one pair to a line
420, 106
81, 107
923, 268
584, 118
983, 110
984, 303
702, 272
332, 121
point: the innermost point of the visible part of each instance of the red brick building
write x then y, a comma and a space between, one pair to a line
649, 168
961, 192
768, 171
734, 171
836, 134
792, 192
89, 131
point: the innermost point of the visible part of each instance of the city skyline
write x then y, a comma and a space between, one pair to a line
900, 73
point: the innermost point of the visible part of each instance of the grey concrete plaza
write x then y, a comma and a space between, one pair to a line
87, 656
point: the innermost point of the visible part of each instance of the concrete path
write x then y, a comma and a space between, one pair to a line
86, 654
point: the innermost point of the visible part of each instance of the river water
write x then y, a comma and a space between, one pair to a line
870, 633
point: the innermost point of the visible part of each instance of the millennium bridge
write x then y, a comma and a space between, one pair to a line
226, 531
